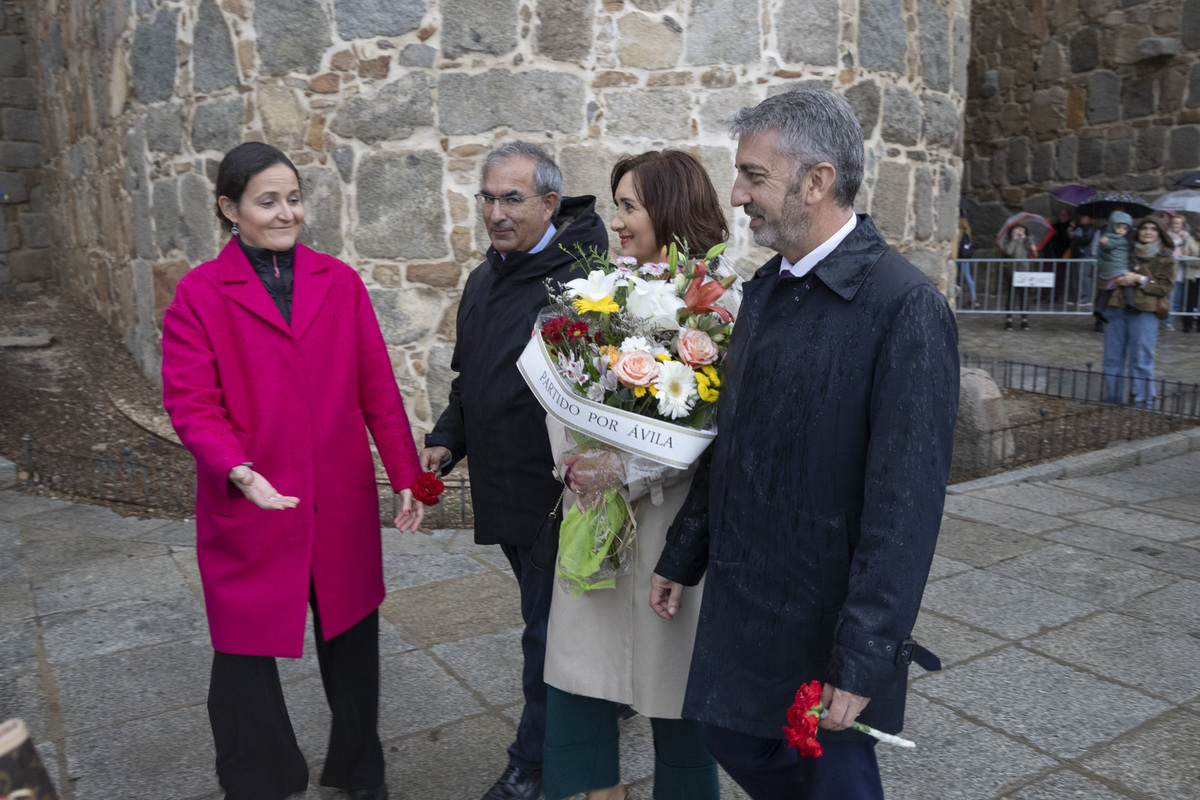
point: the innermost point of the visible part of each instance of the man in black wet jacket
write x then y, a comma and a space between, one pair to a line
816, 510
494, 418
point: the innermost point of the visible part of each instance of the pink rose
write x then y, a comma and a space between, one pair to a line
637, 368
696, 348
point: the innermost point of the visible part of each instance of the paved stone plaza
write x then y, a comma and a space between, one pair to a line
1066, 611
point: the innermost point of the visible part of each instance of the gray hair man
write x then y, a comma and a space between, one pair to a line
841, 398
493, 417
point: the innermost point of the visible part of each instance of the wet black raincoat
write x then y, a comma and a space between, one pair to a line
492, 416
816, 510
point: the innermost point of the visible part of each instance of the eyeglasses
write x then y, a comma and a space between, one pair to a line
508, 201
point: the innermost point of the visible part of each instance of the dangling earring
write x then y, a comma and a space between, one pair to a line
234, 229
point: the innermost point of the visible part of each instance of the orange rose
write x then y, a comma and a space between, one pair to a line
696, 348
637, 368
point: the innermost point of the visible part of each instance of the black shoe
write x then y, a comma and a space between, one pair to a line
516, 784
378, 793
1024, 325
1008, 325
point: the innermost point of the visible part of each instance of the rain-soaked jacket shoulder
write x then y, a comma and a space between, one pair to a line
815, 513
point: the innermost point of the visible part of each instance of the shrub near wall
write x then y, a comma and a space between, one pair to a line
387, 107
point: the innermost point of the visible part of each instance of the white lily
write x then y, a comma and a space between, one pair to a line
655, 301
597, 286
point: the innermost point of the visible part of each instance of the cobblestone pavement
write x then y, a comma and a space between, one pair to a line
1066, 612
1064, 601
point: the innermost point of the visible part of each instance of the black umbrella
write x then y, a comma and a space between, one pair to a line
966, 203
1105, 203
1191, 180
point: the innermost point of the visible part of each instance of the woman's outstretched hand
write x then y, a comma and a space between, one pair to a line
411, 512
258, 490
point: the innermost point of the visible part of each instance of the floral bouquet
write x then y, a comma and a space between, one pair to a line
630, 359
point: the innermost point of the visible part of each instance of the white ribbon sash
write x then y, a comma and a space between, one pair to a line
665, 442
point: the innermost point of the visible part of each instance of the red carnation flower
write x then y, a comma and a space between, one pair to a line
803, 717
427, 488
575, 331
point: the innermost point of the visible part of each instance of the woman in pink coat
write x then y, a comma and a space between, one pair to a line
273, 370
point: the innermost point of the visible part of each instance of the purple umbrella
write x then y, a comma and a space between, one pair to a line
1073, 194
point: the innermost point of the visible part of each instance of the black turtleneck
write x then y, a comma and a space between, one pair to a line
274, 269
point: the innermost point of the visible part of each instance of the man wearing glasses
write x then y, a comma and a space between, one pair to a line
494, 418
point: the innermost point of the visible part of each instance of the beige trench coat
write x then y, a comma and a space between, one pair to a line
609, 643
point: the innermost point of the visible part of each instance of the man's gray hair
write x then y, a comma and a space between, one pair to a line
547, 177
814, 125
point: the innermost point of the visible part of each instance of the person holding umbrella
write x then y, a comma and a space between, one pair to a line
1022, 238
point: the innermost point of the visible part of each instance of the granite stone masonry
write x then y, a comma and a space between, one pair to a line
387, 107
1104, 91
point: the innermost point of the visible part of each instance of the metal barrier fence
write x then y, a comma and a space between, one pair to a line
1175, 406
1056, 437
125, 480
1174, 398
1049, 286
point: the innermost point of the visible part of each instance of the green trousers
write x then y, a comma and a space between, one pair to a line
581, 752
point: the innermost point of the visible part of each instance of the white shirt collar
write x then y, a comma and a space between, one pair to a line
805, 265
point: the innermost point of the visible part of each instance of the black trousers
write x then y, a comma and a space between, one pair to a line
257, 754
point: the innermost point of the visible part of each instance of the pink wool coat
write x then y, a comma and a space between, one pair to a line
241, 385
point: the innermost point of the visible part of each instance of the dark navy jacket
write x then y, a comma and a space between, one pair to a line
816, 510
492, 416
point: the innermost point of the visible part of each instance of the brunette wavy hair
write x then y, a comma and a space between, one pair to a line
678, 197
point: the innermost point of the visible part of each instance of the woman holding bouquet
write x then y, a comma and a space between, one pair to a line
607, 648
273, 369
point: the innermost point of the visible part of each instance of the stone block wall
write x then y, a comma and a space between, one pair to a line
388, 106
25, 263
1097, 92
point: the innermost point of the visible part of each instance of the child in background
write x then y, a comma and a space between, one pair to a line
1112, 260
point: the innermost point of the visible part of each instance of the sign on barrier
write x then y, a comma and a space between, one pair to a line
1033, 280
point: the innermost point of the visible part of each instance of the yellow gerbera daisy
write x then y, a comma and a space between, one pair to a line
604, 305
